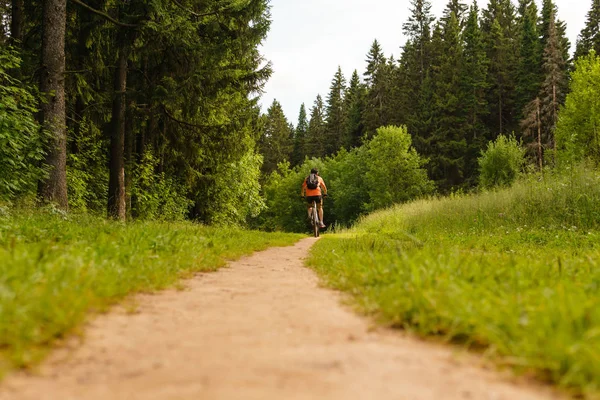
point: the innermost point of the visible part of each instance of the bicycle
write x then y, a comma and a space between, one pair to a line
314, 217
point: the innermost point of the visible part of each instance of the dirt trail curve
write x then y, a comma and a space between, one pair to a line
262, 329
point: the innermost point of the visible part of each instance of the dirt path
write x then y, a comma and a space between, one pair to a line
262, 329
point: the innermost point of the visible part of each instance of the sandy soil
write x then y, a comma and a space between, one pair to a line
261, 329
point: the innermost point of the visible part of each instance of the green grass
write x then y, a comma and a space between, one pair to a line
54, 270
515, 273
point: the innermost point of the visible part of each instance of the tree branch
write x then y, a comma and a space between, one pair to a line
170, 116
104, 15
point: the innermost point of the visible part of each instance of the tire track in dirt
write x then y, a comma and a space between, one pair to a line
260, 329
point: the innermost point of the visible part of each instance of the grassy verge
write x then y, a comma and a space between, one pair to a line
53, 270
515, 272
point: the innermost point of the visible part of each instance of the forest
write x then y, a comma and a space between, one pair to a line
461, 82
150, 110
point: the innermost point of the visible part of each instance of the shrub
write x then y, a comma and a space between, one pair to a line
501, 163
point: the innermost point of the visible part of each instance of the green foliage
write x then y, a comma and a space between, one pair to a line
55, 269
157, 196
87, 176
578, 127
394, 169
237, 196
512, 271
501, 163
384, 171
21, 143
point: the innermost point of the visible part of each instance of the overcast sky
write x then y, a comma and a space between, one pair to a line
310, 38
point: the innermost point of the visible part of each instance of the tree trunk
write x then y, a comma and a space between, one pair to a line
116, 181
54, 187
16, 24
129, 154
539, 132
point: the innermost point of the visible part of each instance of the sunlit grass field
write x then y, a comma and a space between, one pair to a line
55, 269
514, 273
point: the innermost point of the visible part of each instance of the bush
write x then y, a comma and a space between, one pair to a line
501, 163
157, 196
21, 144
395, 174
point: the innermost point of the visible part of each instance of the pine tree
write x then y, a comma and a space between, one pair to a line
315, 134
276, 143
589, 38
336, 114
474, 85
355, 105
300, 137
529, 69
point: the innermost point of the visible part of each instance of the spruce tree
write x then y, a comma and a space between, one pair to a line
315, 134
448, 142
300, 137
413, 71
589, 38
336, 114
376, 80
550, 15
276, 143
474, 85
355, 105
554, 85
529, 66
499, 35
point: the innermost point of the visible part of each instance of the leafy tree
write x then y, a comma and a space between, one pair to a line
336, 114
275, 144
589, 38
501, 163
394, 169
578, 127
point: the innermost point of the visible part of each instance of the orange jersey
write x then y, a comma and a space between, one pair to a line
314, 192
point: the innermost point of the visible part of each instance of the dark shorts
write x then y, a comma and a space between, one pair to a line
318, 199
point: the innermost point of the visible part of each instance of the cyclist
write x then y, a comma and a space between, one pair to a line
314, 189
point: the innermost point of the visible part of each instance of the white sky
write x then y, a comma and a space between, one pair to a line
310, 38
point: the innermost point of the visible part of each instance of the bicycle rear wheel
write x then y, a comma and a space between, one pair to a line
315, 219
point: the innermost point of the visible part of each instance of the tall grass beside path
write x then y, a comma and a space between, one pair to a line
54, 270
514, 272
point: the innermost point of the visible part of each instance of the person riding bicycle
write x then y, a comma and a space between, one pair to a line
314, 189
